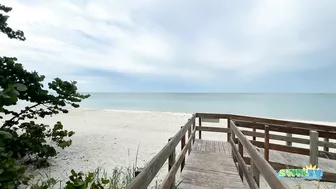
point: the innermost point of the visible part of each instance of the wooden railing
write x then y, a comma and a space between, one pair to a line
237, 136
146, 176
259, 164
312, 132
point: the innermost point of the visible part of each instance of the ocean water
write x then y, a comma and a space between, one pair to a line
317, 107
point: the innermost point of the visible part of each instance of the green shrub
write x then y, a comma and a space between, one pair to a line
21, 140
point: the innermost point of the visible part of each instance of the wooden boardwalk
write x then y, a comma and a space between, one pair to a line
242, 161
210, 166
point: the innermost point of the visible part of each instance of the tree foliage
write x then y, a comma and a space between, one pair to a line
22, 139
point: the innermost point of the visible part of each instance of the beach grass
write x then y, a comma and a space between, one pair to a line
118, 178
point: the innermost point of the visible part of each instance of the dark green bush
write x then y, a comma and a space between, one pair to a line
22, 140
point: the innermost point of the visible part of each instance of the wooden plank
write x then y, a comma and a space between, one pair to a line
255, 174
228, 136
210, 162
171, 160
197, 145
189, 134
183, 143
326, 148
241, 151
313, 152
194, 128
297, 150
290, 139
213, 129
203, 143
200, 125
210, 170
227, 148
210, 120
284, 129
268, 121
266, 143
218, 146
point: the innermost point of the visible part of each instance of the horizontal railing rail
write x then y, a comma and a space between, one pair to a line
268, 121
272, 136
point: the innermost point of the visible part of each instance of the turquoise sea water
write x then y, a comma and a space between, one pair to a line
317, 107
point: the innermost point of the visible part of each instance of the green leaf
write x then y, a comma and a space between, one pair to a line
6, 135
73, 172
91, 174
105, 181
13, 92
20, 87
80, 183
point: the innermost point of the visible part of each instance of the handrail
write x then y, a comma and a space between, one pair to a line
263, 166
268, 121
145, 177
168, 181
281, 128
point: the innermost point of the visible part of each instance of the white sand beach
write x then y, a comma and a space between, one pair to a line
110, 138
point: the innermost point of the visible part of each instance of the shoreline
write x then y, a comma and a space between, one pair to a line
322, 122
329, 123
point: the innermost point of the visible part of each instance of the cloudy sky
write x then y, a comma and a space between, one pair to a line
179, 46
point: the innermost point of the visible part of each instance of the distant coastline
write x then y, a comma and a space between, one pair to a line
296, 106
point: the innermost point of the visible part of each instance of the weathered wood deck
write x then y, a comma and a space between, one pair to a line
210, 166
242, 161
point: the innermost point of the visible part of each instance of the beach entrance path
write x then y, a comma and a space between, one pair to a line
250, 155
210, 166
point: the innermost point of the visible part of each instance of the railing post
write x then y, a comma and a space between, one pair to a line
200, 125
313, 155
171, 160
194, 127
255, 173
241, 152
182, 146
189, 134
233, 136
325, 148
289, 143
266, 143
228, 126
254, 138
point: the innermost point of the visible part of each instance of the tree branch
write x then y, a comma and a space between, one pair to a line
17, 116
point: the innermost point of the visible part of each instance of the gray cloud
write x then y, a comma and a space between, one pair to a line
191, 40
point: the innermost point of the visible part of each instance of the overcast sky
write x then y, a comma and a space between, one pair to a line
179, 46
